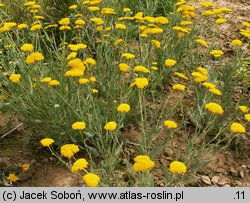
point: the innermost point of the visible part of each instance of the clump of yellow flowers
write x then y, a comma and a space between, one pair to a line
68, 151
177, 167
143, 163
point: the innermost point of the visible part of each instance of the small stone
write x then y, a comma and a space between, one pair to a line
244, 166
215, 179
169, 152
227, 185
169, 158
219, 170
161, 185
238, 183
242, 174
222, 181
206, 180
233, 171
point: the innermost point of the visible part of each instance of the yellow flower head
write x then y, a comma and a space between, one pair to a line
237, 42
76, 47
120, 26
181, 29
202, 70
22, 26
200, 76
38, 17
128, 56
207, 13
65, 27
25, 167
80, 22
12, 177
83, 81
35, 6
64, 21
154, 68
215, 91
177, 167
247, 117
74, 73
179, 87
10, 24
118, 41
30, 3
51, 26
90, 61
53, 83
161, 20
36, 27
152, 30
79, 15
237, 128
47, 142
27, 47
185, 22
200, 79
209, 85
140, 83
156, 43
181, 75
196, 74
244, 109
214, 108
143, 163
246, 24
99, 28
97, 21
95, 91
220, 21
108, 11
217, 53
72, 7
72, 55
202, 42
92, 79
91, 180
123, 108
77, 64
15, 78
93, 8
170, 62
110, 126
141, 69
79, 164
79, 125
126, 10
69, 150
245, 33
170, 124
123, 67
34, 57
